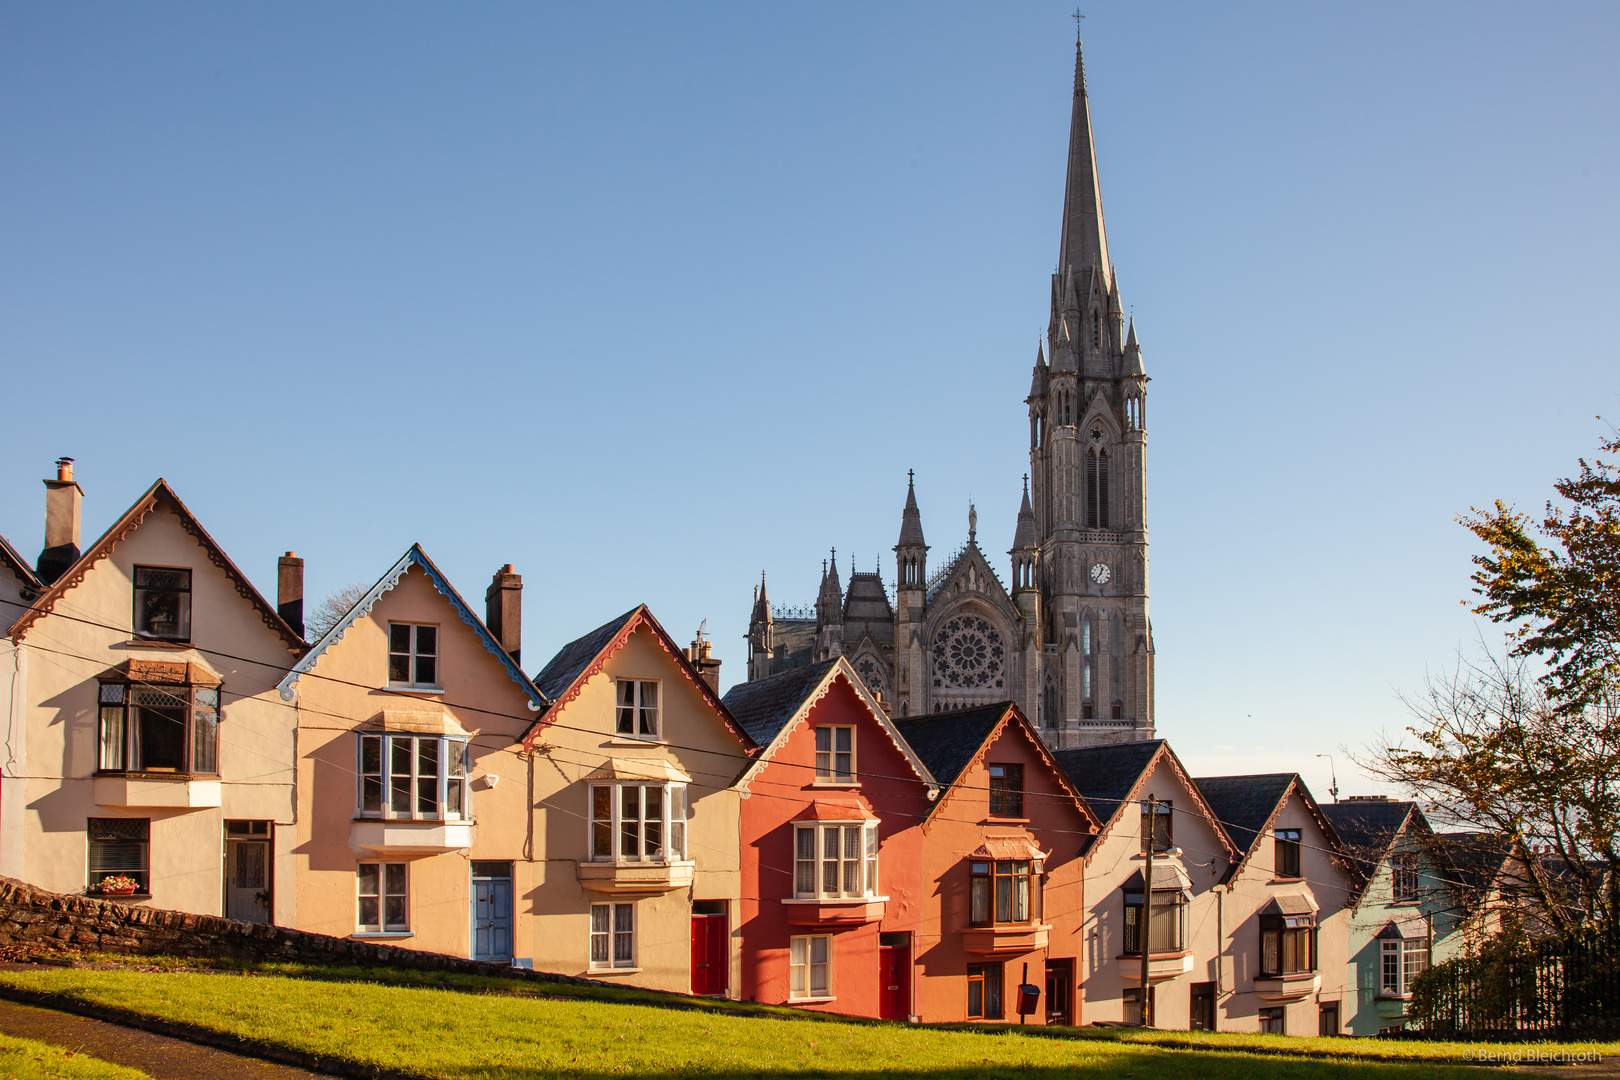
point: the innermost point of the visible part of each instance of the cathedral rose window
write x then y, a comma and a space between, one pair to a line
968, 653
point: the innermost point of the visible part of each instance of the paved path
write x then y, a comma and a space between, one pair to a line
158, 1056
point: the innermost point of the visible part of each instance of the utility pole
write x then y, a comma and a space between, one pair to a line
1144, 937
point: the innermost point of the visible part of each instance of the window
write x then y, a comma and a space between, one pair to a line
1287, 853
1406, 878
383, 903
835, 755
1162, 830
1403, 959
808, 961
984, 992
413, 655
613, 936
638, 709
413, 776
1287, 944
162, 603
833, 861
1272, 1021
1168, 932
1001, 892
1007, 790
641, 816
119, 846
147, 727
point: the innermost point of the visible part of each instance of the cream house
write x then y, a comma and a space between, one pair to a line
147, 740
636, 820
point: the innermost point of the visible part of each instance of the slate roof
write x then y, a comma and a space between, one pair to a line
1244, 804
947, 741
763, 708
1105, 775
563, 668
1474, 858
1368, 826
11, 558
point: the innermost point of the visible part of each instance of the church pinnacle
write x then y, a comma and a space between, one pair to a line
1084, 243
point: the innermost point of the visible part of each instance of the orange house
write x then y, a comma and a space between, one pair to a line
1002, 847
832, 885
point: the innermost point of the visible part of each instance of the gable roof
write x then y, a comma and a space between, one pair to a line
13, 561
415, 556
1110, 778
159, 494
771, 708
566, 673
1369, 826
1247, 805
949, 742
1474, 859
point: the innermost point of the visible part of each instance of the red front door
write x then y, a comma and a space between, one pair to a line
894, 973
709, 960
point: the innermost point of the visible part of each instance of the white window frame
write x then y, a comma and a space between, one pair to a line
382, 896
450, 785
611, 925
672, 820
1411, 957
828, 760
803, 967
633, 717
863, 861
414, 655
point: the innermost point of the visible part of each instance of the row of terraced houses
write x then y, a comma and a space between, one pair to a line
174, 740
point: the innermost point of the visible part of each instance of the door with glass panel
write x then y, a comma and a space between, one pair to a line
492, 910
247, 871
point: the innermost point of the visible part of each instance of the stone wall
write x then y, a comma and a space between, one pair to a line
33, 916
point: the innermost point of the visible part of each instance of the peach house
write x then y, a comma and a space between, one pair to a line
1002, 851
148, 746
832, 885
413, 823
634, 817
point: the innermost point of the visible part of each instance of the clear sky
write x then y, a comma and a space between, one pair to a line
648, 298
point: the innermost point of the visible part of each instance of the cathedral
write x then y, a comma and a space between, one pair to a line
1070, 641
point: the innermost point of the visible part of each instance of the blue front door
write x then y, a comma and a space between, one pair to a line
492, 918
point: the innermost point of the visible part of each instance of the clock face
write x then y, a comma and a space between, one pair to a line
1100, 573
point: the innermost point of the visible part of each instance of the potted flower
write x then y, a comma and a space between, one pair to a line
118, 885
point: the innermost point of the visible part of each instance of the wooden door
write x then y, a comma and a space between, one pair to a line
247, 880
710, 957
894, 977
1202, 1013
1060, 992
492, 911
1327, 1018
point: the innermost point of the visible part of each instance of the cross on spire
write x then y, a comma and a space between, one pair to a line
1077, 17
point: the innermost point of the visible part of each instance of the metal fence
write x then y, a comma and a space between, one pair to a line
1549, 988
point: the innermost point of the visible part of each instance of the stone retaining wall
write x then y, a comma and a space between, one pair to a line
31, 915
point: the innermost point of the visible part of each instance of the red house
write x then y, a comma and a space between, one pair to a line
832, 890
1002, 850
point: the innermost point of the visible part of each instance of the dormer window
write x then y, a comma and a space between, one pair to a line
162, 603
413, 655
637, 709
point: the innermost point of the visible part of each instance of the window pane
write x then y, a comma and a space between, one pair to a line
455, 757
394, 878
427, 641
371, 794
400, 786
1021, 898
824, 740
845, 739
204, 731
427, 773
369, 880
394, 907
112, 737
427, 671
980, 900
1004, 894
649, 709
399, 669
160, 737
399, 638
371, 754
992, 991
367, 917
627, 708
112, 693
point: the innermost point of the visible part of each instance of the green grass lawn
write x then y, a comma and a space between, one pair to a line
454, 1033
25, 1059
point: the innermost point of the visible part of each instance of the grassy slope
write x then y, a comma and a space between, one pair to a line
456, 1034
25, 1059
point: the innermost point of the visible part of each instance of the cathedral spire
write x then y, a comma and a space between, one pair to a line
1024, 534
1085, 242
911, 534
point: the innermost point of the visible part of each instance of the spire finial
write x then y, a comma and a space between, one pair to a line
1077, 17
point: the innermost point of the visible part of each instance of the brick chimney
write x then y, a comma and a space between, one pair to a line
503, 609
290, 591
707, 666
63, 499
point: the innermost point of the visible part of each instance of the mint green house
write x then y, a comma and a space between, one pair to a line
1406, 917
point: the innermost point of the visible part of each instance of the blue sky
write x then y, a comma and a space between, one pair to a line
648, 298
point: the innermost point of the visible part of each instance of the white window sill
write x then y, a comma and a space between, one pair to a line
837, 900
414, 689
615, 971
850, 784
632, 740
371, 935
810, 1000
413, 820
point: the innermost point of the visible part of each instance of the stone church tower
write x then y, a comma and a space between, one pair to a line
1070, 641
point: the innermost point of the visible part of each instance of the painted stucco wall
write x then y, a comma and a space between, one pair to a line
347, 692
783, 789
89, 632
1328, 886
577, 737
1107, 972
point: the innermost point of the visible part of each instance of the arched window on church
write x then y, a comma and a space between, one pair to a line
1088, 662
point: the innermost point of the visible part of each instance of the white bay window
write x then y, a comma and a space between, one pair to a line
638, 822
835, 860
413, 777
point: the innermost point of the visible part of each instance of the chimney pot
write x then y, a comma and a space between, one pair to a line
290, 591
503, 609
64, 468
707, 666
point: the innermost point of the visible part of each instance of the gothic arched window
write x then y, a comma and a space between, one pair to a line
1088, 664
